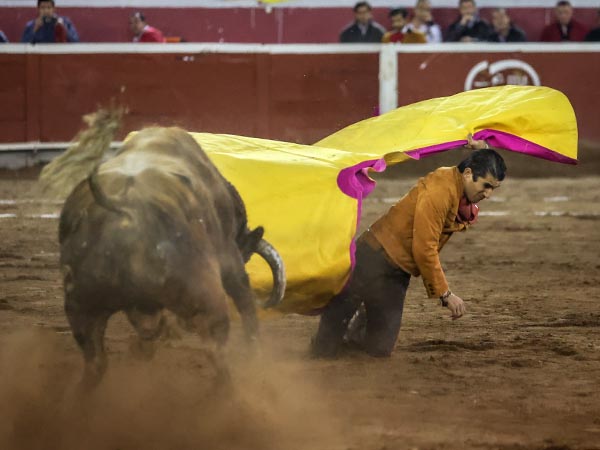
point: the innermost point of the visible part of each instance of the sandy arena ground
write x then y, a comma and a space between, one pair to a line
520, 371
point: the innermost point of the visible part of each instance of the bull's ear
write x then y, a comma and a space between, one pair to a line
250, 242
254, 238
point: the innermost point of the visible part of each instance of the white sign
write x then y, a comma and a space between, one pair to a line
500, 73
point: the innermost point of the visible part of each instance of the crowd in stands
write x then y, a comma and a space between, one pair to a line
468, 27
49, 27
416, 27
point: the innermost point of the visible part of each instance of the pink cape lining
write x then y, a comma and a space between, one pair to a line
498, 139
355, 182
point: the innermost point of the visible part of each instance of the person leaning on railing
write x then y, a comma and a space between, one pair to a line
48, 27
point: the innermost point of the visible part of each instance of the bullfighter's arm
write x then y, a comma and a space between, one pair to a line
430, 212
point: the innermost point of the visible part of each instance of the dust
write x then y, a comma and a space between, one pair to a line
169, 403
63, 173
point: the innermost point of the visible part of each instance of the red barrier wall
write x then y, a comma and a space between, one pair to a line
299, 97
282, 25
428, 75
293, 97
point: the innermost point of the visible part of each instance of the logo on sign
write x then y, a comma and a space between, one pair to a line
500, 73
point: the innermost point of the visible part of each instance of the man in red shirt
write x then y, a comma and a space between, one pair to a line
565, 28
142, 32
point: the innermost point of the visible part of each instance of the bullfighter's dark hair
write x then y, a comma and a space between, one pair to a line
398, 11
362, 4
139, 15
484, 162
465, 1
46, 1
563, 3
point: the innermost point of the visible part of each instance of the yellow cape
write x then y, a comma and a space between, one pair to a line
308, 198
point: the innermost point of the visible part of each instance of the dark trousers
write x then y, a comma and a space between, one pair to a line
381, 286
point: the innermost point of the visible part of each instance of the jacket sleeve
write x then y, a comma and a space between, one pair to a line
430, 212
28, 33
72, 35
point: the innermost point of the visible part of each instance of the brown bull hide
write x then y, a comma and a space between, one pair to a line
156, 226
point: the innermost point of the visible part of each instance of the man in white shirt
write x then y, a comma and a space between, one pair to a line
422, 22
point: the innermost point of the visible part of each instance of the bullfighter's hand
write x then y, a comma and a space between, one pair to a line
457, 306
475, 144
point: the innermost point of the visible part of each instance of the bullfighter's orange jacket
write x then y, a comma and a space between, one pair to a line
416, 228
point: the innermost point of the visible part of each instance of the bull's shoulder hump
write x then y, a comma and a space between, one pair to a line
161, 139
134, 163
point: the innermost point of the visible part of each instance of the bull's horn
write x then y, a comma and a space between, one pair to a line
275, 262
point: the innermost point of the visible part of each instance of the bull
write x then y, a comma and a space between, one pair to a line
154, 227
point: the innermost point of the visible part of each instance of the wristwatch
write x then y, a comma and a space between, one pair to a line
444, 297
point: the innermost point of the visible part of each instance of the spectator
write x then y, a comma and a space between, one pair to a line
565, 28
398, 17
503, 28
422, 22
363, 29
48, 26
469, 27
3, 38
142, 32
594, 35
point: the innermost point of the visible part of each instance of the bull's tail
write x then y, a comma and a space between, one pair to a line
82, 158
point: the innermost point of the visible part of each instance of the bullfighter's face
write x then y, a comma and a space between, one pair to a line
480, 189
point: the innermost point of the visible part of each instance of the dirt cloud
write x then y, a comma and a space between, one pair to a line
169, 403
